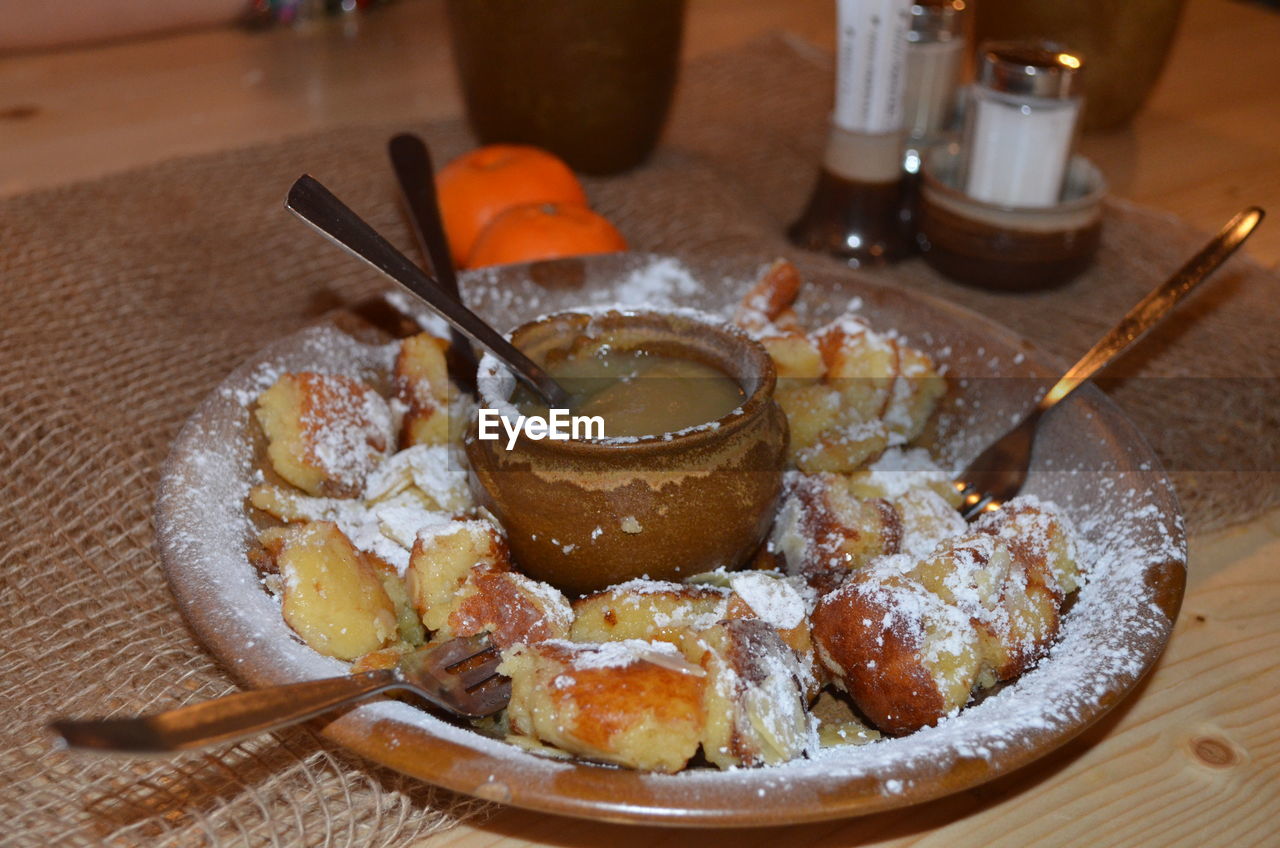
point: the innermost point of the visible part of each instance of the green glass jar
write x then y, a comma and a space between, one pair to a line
589, 80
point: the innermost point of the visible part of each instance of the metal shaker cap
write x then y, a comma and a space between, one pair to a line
1030, 68
936, 20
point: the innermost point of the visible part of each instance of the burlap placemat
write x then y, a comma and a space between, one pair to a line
127, 299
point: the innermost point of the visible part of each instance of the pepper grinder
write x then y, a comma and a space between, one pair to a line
858, 208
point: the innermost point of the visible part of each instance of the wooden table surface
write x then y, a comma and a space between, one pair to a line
1193, 758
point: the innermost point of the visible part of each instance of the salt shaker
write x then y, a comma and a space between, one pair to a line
935, 52
1021, 125
856, 210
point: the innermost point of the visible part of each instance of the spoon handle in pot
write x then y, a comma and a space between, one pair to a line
316, 205
411, 161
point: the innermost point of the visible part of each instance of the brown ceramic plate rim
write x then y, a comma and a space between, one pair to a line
400, 737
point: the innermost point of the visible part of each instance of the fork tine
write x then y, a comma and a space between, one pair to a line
457, 651
457, 675
489, 697
473, 675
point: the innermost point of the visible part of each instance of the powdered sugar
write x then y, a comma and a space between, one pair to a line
772, 599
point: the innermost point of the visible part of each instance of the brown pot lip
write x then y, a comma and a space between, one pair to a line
681, 318
937, 158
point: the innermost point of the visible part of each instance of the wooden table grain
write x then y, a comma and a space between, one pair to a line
1193, 758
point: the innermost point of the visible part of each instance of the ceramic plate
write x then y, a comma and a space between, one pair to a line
1090, 460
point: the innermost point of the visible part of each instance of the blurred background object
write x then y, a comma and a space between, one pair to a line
1124, 44
38, 26
590, 81
30, 26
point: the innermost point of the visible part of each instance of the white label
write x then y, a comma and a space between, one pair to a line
1019, 155
870, 65
558, 425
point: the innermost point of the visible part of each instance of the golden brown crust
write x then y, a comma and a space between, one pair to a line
511, 607
606, 703
443, 560
879, 666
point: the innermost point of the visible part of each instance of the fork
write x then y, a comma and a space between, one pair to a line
998, 473
459, 676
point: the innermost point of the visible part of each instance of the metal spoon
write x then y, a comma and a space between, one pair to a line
316, 205
411, 161
999, 471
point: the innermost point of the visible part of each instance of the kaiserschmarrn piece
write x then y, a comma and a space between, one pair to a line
632, 703
848, 391
333, 598
443, 559
649, 610
823, 532
422, 386
325, 432
510, 607
662, 611
755, 696
910, 640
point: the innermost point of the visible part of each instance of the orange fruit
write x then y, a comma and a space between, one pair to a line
535, 231
474, 188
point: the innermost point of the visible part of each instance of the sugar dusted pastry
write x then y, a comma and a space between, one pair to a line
386, 528
422, 386
823, 532
1039, 540
325, 432
333, 598
443, 558
631, 703
773, 600
905, 656
914, 394
433, 474
848, 392
647, 610
910, 640
1044, 572
755, 697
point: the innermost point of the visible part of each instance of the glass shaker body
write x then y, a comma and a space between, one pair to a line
935, 56
1021, 124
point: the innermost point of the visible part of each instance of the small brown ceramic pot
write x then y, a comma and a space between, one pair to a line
1009, 248
586, 514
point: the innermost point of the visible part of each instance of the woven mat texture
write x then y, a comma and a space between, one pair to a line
129, 298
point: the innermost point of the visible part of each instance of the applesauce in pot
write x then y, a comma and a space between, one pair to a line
638, 392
